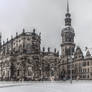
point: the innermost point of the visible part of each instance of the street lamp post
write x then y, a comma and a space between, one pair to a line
71, 62
71, 71
70, 68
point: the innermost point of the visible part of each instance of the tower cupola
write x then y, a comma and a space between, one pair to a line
68, 16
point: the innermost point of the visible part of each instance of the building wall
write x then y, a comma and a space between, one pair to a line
21, 59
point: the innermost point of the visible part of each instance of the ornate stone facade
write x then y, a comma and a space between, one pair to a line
21, 58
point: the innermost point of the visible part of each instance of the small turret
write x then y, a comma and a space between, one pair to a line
23, 30
48, 49
16, 34
55, 50
43, 49
34, 30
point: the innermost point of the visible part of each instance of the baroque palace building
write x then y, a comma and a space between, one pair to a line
21, 58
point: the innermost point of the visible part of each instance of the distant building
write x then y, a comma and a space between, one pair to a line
21, 58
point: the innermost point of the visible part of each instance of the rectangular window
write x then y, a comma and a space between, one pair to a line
88, 69
88, 63
84, 63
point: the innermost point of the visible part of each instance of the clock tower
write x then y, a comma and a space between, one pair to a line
68, 45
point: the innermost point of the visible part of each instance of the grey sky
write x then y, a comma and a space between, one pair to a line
47, 16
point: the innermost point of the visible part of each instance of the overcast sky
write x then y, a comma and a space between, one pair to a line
47, 16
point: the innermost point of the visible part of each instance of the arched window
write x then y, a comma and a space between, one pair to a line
30, 71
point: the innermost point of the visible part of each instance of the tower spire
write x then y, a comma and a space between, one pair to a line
67, 6
68, 16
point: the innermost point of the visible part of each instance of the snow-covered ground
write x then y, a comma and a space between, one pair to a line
76, 86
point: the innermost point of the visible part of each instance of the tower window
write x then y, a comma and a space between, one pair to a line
17, 72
